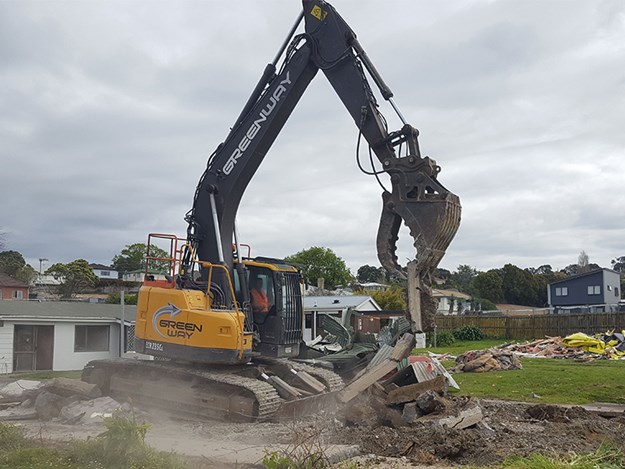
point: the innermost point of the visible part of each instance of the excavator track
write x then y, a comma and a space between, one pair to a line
186, 391
213, 393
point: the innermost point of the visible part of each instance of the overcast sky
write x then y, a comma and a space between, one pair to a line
110, 109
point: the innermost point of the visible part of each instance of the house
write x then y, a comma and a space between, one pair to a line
451, 301
104, 271
337, 306
370, 322
595, 291
60, 336
11, 289
137, 276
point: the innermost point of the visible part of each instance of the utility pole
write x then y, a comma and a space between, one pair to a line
122, 325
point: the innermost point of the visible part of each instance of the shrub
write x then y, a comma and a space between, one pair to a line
444, 339
123, 445
115, 299
11, 437
468, 333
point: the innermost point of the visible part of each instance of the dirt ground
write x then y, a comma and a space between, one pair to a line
507, 429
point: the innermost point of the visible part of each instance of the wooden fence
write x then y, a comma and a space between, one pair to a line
534, 326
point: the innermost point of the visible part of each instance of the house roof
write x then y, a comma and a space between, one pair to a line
101, 267
584, 274
439, 293
7, 281
65, 310
334, 303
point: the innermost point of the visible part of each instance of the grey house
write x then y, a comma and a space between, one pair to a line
595, 291
59, 336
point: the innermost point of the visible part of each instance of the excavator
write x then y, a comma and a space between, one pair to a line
215, 356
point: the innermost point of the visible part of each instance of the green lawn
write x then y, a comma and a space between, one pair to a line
546, 380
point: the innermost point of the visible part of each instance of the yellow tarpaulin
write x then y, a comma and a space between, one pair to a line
593, 344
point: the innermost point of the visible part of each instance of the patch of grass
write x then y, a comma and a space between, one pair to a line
542, 380
120, 446
608, 456
550, 381
461, 346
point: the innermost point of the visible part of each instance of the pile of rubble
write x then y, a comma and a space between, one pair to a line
384, 393
552, 347
581, 346
478, 361
64, 400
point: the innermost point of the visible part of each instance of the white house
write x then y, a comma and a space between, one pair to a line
104, 271
452, 300
336, 306
59, 336
139, 275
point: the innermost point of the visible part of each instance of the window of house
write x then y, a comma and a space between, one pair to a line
91, 339
616, 292
594, 289
18, 294
105, 273
562, 291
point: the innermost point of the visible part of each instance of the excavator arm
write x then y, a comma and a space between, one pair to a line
416, 198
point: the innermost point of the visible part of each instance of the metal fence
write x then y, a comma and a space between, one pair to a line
130, 338
534, 326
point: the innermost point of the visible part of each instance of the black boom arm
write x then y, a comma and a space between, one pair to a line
430, 211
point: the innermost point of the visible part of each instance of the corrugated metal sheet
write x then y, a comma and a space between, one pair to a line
384, 353
331, 325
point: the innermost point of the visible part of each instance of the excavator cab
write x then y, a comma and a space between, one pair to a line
275, 305
201, 313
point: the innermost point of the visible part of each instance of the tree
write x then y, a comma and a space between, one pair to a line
75, 277
133, 258
368, 273
13, 264
463, 278
489, 285
618, 264
583, 262
519, 286
391, 299
319, 262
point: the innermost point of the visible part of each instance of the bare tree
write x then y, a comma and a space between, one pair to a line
583, 262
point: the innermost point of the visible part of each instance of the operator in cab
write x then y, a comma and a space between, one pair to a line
260, 301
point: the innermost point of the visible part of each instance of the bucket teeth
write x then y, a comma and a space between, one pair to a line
431, 213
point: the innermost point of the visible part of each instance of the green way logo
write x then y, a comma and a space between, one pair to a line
172, 327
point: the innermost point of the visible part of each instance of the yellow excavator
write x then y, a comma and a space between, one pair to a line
216, 354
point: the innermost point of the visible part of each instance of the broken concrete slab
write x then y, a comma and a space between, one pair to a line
466, 417
17, 389
73, 387
430, 402
48, 405
411, 413
19, 413
82, 411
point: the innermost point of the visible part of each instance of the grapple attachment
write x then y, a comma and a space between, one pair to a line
428, 209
